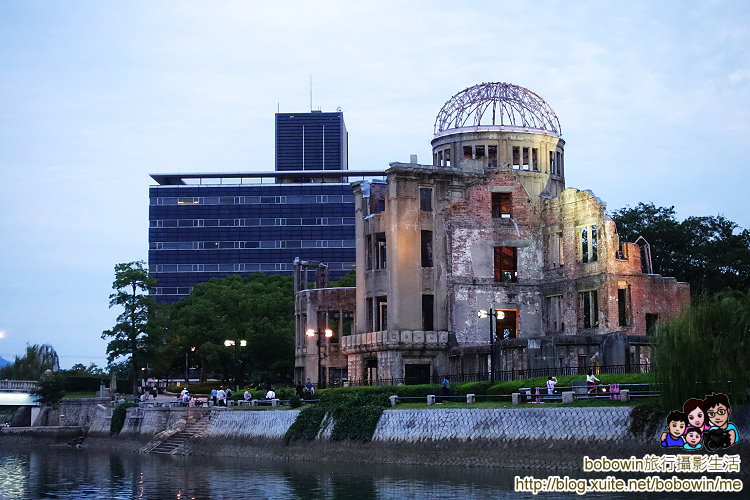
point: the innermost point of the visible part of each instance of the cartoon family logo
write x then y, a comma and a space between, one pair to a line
691, 430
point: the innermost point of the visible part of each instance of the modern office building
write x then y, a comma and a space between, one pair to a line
204, 226
311, 141
484, 261
211, 225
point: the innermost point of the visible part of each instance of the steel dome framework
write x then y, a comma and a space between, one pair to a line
497, 103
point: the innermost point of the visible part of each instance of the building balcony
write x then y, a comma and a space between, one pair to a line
394, 340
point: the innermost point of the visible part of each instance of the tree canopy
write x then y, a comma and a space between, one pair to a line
706, 349
711, 253
36, 360
258, 309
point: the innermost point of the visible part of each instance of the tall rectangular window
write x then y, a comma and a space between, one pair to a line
623, 303
439, 158
370, 315
589, 243
478, 152
425, 199
428, 305
525, 158
558, 162
552, 170
535, 159
492, 156
554, 313
382, 311
426, 248
501, 205
589, 309
516, 157
506, 265
368, 251
447, 157
467, 153
380, 251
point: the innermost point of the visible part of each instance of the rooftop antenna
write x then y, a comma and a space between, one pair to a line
311, 93
278, 107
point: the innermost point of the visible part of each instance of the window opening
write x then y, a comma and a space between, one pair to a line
447, 157
516, 157
552, 163
506, 264
589, 308
506, 324
425, 199
535, 159
589, 244
368, 251
426, 248
467, 153
382, 261
525, 158
428, 306
479, 152
501, 205
382, 311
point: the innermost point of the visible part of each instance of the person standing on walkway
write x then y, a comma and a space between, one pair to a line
551, 383
592, 381
214, 394
229, 396
222, 397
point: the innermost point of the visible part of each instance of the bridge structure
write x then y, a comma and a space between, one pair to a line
18, 393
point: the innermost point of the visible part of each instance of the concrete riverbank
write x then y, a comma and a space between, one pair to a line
530, 437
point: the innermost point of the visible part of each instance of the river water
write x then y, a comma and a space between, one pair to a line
87, 474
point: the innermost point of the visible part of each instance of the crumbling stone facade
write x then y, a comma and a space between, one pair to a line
490, 226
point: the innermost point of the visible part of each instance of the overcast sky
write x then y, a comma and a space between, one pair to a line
652, 98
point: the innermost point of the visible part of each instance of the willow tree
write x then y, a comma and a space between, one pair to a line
31, 366
129, 335
706, 349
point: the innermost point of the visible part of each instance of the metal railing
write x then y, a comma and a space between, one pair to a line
18, 385
499, 376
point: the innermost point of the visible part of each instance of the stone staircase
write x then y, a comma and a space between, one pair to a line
179, 442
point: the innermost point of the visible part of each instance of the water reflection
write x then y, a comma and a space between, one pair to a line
88, 474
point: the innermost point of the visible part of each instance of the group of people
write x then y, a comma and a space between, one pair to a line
306, 391
221, 395
702, 423
147, 392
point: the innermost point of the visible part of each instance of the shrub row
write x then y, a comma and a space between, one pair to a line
481, 388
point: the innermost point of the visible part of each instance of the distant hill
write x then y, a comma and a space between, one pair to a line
3, 362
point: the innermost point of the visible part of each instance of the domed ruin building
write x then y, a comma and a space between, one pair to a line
485, 260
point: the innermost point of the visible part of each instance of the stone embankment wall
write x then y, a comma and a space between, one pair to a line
550, 424
251, 424
80, 412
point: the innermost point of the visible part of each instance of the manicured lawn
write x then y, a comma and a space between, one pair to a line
504, 404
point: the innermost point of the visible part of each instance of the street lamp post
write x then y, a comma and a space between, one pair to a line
187, 364
235, 344
492, 314
328, 333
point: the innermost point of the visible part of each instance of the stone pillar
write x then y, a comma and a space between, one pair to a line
274, 402
625, 395
568, 396
430, 400
470, 399
515, 398
393, 400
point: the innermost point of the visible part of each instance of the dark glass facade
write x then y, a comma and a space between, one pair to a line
199, 232
311, 141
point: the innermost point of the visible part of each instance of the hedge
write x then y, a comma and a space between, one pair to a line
482, 388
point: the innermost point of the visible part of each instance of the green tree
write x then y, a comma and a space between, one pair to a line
129, 337
706, 349
50, 389
258, 308
81, 370
710, 253
349, 279
36, 360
